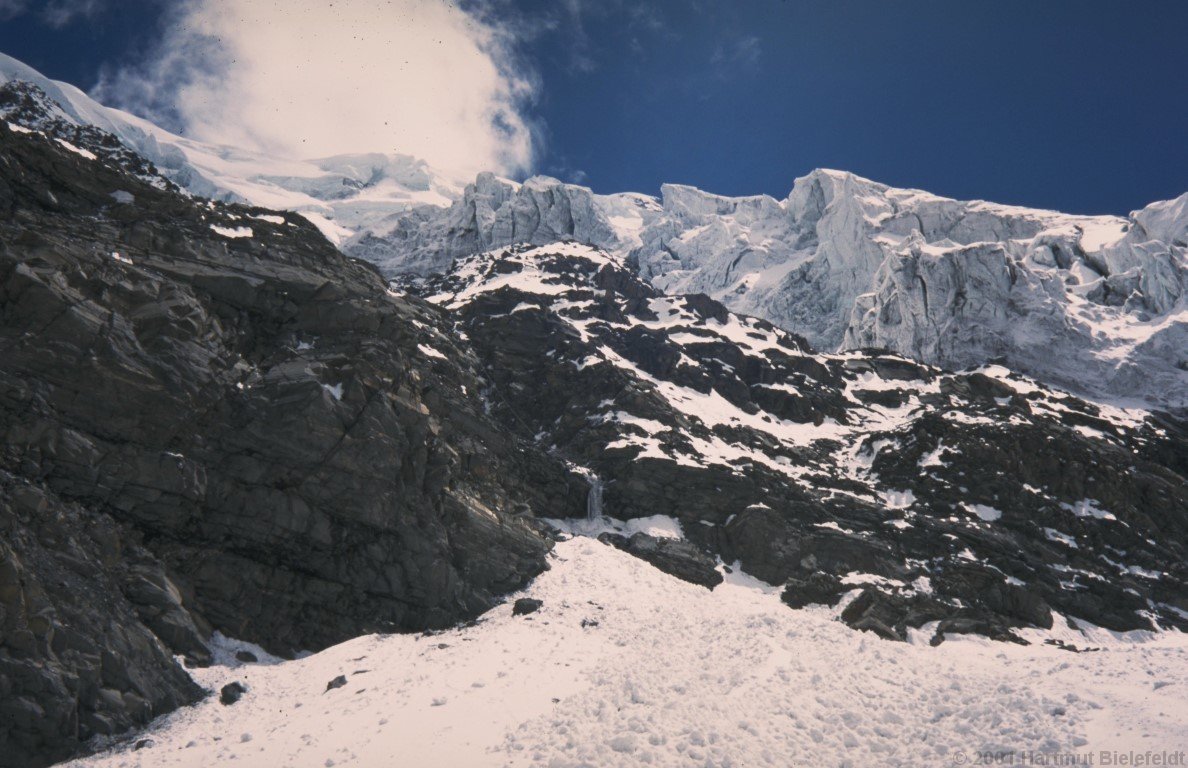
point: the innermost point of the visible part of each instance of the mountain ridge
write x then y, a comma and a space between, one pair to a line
217, 421
1095, 304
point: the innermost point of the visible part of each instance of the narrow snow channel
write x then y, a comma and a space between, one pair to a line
625, 666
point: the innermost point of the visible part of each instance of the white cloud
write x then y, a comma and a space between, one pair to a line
11, 8
59, 13
314, 78
55, 13
742, 52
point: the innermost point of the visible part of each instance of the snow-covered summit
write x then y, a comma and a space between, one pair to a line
342, 195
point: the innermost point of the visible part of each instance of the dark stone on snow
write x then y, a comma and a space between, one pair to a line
975, 626
337, 682
889, 615
231, 693
525, 606
818, 589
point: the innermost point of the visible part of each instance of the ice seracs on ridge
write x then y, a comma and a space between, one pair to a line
1092, 303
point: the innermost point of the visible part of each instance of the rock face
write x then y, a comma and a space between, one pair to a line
980, 498
211, 418
76, 656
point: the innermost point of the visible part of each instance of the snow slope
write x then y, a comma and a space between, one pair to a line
341, 194
674, 675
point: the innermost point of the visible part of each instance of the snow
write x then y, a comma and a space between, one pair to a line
117, 256
1051, 534
335, 390
88, 154
673, 674
987, 514
898, 499
429, 351
335, 233
1089, 508
933, 458
659, 526
232, 232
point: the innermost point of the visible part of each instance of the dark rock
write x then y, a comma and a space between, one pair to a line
246, 656
231, 692
673, 556
173, 461
75, 659
819, 588
980, 487
890, 614
964, 625
337, 682
525, 606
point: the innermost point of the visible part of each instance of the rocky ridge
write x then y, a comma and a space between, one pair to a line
981, 500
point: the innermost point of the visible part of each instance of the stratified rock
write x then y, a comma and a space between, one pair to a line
675, 557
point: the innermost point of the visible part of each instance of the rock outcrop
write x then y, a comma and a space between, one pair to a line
210, 418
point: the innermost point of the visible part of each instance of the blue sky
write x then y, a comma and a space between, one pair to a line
1074, 105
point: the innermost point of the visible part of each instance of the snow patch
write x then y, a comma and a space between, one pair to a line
232, 232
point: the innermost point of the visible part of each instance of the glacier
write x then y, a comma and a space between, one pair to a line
1095, 304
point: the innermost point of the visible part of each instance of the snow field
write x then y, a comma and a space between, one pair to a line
675, 675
